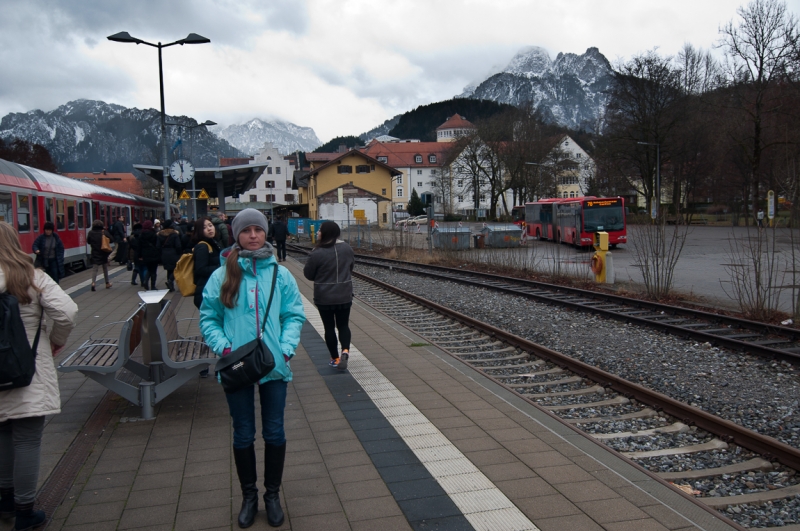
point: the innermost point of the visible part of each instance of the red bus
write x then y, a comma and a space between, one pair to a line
29, 198
575, 220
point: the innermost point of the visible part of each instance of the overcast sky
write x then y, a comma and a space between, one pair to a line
339, 66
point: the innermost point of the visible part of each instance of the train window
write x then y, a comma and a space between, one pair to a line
71, 214
6, 210
48, 209
35, 204
23, 213
60, 225
81, 222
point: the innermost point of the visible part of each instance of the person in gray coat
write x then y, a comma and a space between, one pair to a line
330, 265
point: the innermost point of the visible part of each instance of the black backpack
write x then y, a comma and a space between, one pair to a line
17, 358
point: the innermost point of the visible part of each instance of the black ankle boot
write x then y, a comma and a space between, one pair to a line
245, 459
7, 503
27, 518
274, 457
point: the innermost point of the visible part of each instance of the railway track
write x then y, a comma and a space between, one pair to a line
736, 469
761, 339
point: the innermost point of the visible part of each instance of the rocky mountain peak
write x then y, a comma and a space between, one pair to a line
529, 61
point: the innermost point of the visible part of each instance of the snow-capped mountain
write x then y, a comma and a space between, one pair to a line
569, 90
287, 137
88, 135
381, 130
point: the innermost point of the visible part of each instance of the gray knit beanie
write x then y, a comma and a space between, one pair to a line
247, 218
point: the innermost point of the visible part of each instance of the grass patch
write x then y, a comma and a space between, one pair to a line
420, 345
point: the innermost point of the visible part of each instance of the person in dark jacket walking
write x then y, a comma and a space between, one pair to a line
169, 243
278, 231
147, 255
135, 232
99, 257
120, 238
330, 265
222, 234
49, 250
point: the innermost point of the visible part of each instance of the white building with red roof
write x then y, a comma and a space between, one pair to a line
453, 128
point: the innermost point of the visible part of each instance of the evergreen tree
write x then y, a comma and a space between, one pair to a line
415, 206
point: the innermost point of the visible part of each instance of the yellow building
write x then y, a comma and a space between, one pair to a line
366, 185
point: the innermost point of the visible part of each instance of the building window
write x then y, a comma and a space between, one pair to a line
278, 171
269, 170
269, 184
289, 198
572, 194
385, 219
418, 159
460, 182
399, 191
461, 199
433, 171
399, 179
419, 184
383, 191
288, 183
577, 155
383, 159
432, 159
419, 172
362, 168
271, 198
344, 169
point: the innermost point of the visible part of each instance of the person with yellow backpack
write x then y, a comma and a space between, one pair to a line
206, 253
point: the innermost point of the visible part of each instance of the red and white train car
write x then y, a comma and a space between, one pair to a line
29, 198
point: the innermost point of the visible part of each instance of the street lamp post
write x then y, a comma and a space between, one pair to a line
192, 38
657, 193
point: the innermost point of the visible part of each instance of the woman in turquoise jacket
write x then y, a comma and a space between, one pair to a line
228, 320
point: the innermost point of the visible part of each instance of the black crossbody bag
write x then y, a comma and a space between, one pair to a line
252, 361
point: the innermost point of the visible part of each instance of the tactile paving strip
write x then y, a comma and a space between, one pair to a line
483, 504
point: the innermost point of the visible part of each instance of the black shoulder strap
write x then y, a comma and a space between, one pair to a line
38, 332
271, 294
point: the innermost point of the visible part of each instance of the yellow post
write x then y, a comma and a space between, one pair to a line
314, 236
599, 266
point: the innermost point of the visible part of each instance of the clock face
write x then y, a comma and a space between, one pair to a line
182, 171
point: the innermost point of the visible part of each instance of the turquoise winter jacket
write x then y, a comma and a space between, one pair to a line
233, 327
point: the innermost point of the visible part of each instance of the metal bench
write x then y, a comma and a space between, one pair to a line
102, 359
168, 360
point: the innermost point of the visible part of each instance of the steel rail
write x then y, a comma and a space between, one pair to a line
726, 430
735, 344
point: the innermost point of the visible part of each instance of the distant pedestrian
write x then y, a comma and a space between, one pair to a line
233, 310
49, 250
222, 234
760, 218
98, 257
120, 238
330, 265
23, 409
135, 232
278, 232
147, 255
169, 243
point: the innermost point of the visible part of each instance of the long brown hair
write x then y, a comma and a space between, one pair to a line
17, 266
233, 278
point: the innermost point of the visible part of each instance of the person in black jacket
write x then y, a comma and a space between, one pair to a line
99, 257
147, 255
169, 243
119, 236
278, 230
206, 257
135, 232
330, 265
49, 250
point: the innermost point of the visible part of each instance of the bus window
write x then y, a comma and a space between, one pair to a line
35, 203
48, 209
23, 213
6, 209
71, 215
60, 214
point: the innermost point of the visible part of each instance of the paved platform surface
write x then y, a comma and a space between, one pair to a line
406, 438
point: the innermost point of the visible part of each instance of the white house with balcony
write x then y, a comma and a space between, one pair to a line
275, 184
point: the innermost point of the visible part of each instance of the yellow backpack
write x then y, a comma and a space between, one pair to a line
184, 273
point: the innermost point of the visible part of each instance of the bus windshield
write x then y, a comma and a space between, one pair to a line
603, 218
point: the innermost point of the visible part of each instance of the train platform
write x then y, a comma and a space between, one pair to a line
406, 438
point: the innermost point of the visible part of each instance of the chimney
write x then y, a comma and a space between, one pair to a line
104, 172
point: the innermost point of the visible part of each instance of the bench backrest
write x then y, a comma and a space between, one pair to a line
132, 331
169, 322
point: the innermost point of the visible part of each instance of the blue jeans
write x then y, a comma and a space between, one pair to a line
272, 396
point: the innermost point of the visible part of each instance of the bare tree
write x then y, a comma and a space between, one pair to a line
657, 248
761, 52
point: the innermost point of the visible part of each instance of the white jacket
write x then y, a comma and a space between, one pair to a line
41, 397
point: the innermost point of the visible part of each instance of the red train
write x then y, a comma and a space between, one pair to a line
31, 197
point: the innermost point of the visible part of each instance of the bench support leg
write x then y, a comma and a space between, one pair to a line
156, 368
146, 389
